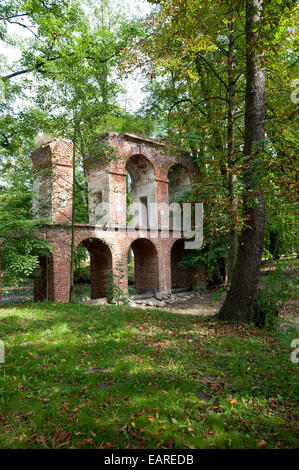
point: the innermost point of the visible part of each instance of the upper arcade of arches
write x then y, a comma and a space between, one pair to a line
127, 145
145, 160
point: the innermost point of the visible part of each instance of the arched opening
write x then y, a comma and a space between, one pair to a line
179, 181
181, 276
43, 279
145, 261
141, 190
98, 197
93, 262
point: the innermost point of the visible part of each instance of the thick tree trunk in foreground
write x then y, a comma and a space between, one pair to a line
241, 301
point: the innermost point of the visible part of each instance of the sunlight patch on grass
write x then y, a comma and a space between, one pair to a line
79, 376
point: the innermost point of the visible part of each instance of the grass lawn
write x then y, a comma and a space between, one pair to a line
115, 377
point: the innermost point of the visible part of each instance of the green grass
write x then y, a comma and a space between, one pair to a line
163, 380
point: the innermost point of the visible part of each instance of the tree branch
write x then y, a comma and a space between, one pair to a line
238, 115
24, 26
37, 66
179, 102
52, 59
212, 98
6, 141
195, 105
238, 76
213, 70
238, 127
7, 18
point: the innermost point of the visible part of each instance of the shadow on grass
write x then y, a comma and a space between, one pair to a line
80, 376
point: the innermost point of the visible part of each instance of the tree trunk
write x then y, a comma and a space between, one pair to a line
274, 244
232, 253
73, 211
241, 301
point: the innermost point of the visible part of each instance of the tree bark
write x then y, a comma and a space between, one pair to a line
73, 211
241, 301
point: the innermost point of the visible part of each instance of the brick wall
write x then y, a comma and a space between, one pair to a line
156, 257
146, 265
54, 173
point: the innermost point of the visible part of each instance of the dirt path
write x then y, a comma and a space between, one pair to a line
195, 303
203, 303
209, 303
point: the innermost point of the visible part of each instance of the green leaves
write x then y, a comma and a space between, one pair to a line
72, 57
278, 288
20, 258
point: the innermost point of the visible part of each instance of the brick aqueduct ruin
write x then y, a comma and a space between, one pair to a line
155, 177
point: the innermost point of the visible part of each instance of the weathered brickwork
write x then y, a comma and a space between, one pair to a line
54, 180
156, 256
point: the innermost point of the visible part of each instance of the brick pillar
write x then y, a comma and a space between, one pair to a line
54, 180
164, 266
162, 199
120, 266
61, 274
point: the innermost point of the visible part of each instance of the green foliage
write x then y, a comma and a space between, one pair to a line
82, 275
81, 265
278, 288
20, 258
197, 51
213, 254
213, 257
113, 283
76, 59
122, 121
19, 247
71, 93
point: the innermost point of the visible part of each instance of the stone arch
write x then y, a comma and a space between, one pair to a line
142, 156
181, 277
44, 279
100, 262
129, 145
146, 265
179, 180
142, 182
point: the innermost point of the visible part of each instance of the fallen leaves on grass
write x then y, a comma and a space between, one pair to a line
262, 443
61, 439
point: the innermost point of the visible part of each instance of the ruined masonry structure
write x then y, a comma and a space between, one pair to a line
154, 177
